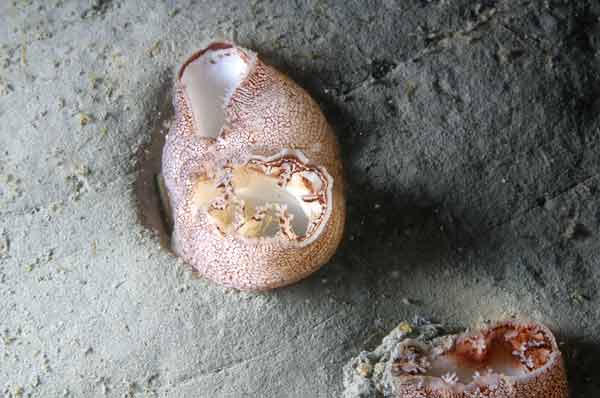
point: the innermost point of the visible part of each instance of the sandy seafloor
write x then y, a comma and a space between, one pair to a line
471, 140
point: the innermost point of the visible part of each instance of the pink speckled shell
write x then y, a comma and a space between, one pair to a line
549, 381
267, 113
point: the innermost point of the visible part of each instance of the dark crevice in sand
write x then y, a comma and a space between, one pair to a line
151, 208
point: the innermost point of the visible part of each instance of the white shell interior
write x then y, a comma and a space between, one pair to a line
209, 82
266, 201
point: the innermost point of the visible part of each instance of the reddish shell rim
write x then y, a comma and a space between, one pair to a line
198, 54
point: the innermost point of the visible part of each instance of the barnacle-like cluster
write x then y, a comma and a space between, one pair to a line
510, 359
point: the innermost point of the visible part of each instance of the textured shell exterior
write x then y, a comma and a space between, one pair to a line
267, 114
550, 381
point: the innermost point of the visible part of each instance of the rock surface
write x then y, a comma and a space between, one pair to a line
471, 136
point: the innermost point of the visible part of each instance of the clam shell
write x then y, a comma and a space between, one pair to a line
266, 120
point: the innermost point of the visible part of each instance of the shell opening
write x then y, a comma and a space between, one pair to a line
209, 80
475, 360
266, 198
